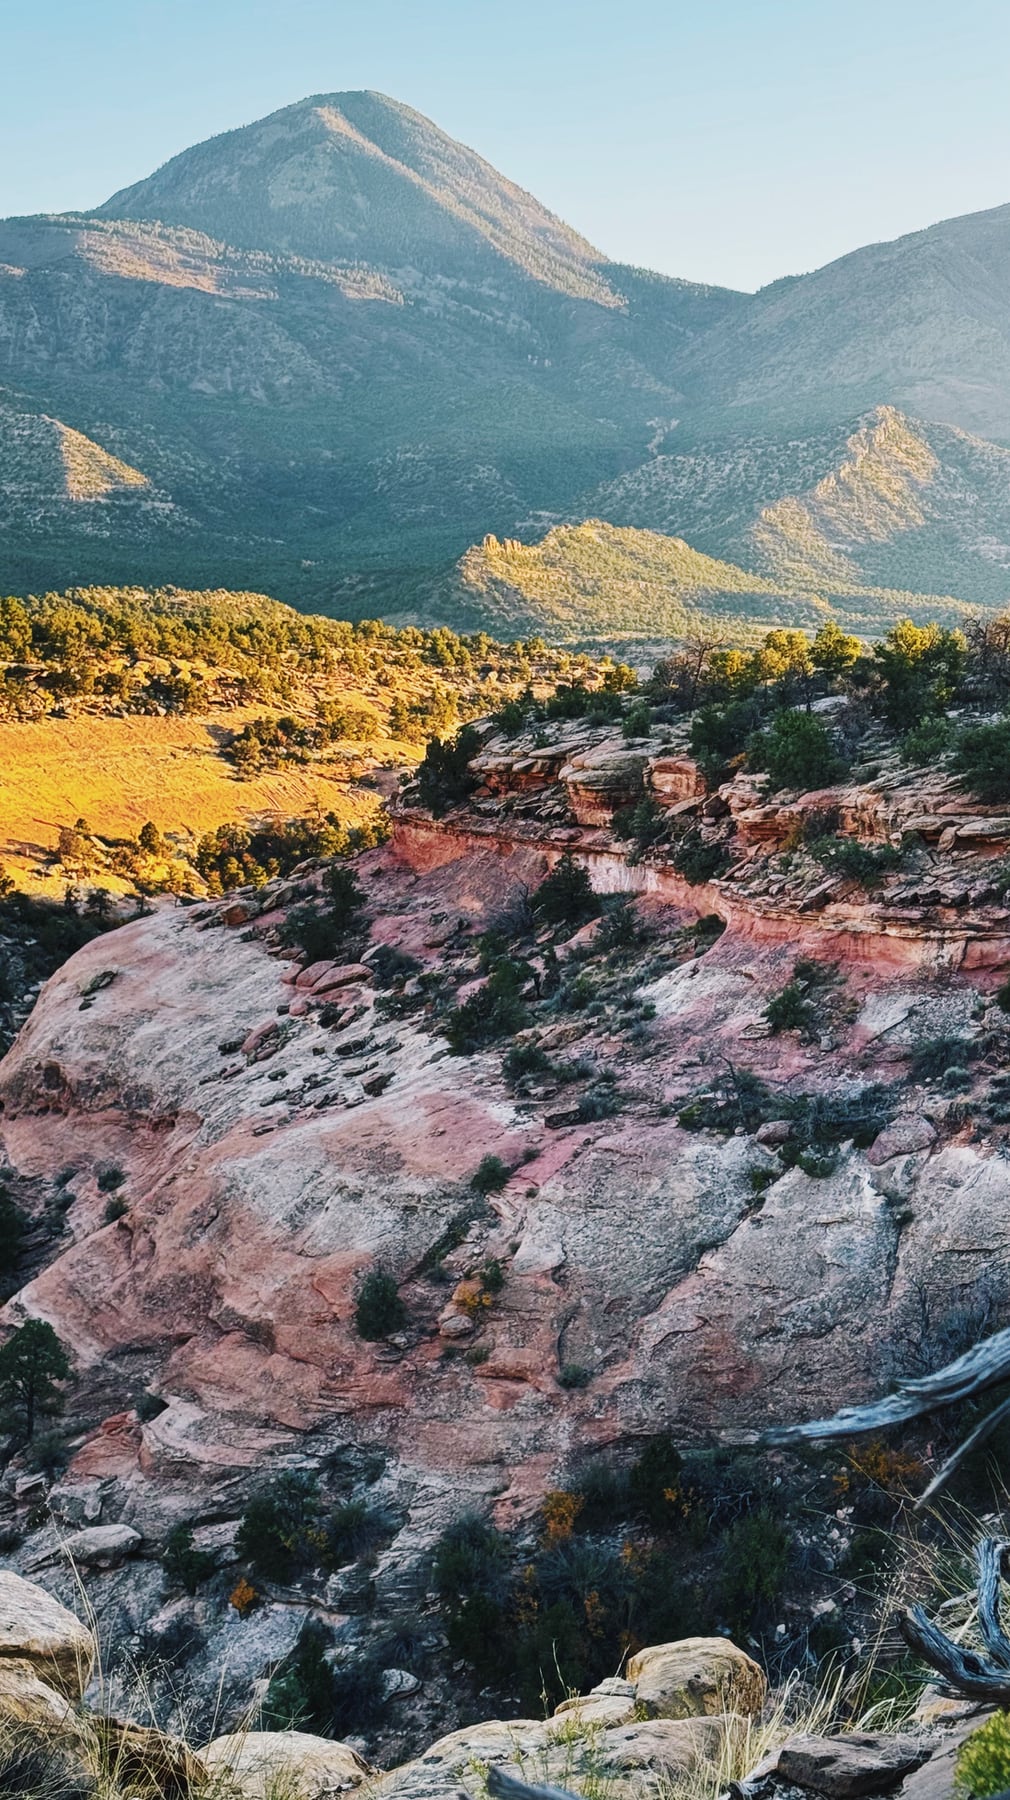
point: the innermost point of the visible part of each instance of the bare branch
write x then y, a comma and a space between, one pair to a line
968, 1672
983, 1367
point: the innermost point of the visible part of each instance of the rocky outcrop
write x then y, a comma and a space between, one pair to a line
640, 1759
601, 780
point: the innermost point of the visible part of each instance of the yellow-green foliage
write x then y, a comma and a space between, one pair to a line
983, 1764
611, 582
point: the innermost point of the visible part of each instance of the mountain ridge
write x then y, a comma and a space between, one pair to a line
344, 348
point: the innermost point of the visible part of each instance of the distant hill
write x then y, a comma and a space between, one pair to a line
605, 583
336, 347
922, 322
886, 501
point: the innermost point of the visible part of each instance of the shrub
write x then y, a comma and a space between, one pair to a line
622, 928
350, 1531
182, 1562
719, 736
378, 1309
530, 1059
982, 757
322, 928
817, 1164
565, 896
983, 1761
346, 897
116, 1208
753, 1564
598, 1103
638, 722
654, 1480
790, 1010
492, 1276
574, 1375
110, 1178
796, 752
932, 1057
858, 862
738, 1097
444, 777
273, 1534
926, 742
698, 858
315, 1694
12, 1232
824, 1121
490, 1175
496, 1010
603, 1491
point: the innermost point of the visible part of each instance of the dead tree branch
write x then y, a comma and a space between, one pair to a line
984, 1367
968, 1672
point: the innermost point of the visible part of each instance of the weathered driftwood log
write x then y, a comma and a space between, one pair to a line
968, 1672
503, 1786
984, 1367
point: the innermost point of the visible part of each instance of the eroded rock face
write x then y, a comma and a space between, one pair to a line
270, 1159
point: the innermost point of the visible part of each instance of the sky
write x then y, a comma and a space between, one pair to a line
730, 141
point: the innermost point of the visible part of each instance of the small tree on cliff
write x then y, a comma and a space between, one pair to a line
565, 896
33, 1364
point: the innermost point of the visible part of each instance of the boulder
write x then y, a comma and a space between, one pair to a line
76, 1502
601, 780
845, 1767
904, 1138
697, 1677
302, 1767
774, 1132
341, 975
26, 1700
36, 1629
675, 778
147, 1760
102, 1546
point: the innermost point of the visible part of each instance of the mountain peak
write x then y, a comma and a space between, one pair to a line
360, 177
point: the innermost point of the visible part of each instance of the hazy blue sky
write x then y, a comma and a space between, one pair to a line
728, 140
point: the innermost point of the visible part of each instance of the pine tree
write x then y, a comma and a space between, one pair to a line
33, 1362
